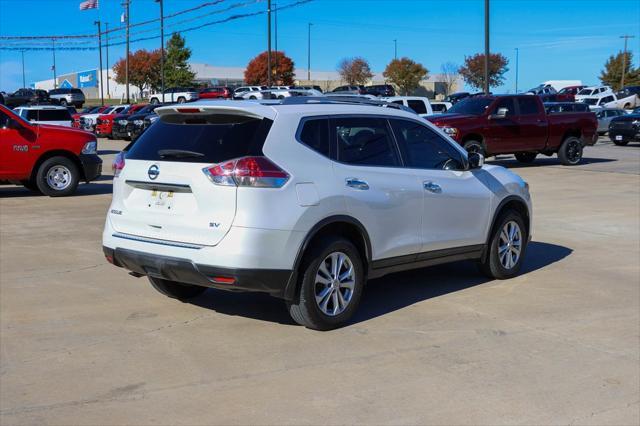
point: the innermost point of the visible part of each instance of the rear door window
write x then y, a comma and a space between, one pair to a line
417, 105
528, 105
209, 138
507, 103
364, 141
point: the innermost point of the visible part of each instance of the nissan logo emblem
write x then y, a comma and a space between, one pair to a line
153, 172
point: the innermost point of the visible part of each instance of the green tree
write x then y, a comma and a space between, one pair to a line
612, 72
405, 74
473, 70
176, 67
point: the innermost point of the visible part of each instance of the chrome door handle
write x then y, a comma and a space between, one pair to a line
432, 187
357, 184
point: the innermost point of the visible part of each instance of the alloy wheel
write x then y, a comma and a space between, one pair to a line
334, 283
510, 246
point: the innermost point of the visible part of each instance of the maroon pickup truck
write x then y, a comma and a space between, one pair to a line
518, 124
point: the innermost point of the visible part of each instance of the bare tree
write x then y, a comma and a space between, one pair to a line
355, 70
450, 75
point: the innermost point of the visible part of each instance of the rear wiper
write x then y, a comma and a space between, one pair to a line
179, 153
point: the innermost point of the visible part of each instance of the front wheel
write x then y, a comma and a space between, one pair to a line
176, 290
332, 278
57, 177
506, 247
181, 100
63, 102
154, 101
526, 157
570, 152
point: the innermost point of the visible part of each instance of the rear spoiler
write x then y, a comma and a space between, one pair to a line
239, 108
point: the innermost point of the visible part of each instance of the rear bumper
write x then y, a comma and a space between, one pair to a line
91, 166
272, 281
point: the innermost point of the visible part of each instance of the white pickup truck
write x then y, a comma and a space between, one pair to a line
175, 94
623, 99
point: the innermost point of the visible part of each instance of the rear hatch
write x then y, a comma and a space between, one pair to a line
163, 191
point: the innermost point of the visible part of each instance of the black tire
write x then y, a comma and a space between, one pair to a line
474, 146
63, 102
570, 152
67, 176
491, 265
176, 290
154, 101
31, 186
252, 97
181, 100
304, 309
526, 157
620, 143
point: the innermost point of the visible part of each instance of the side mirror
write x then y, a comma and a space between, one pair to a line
501, 113
476, 160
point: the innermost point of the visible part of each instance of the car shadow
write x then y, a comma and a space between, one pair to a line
382, 295
92, 188
512, 163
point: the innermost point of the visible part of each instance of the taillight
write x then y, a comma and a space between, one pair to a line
258, 172
118, 164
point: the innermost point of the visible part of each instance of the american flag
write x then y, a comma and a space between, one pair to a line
89, 4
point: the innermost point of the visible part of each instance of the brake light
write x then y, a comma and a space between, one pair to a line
118, 164
257, 172
188, 110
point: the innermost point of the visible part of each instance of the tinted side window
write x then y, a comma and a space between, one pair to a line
424, 148
438, 108
418, 106
364, 142
315, 135
217, 137
507, 103
528, 105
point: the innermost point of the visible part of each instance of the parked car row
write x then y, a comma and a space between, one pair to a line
27, 97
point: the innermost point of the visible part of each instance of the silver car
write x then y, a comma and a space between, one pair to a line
604, 118
65, 97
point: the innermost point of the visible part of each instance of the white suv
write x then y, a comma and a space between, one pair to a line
306, 200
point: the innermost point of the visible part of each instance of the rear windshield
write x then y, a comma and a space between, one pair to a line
49, 115
471, 106
209, 138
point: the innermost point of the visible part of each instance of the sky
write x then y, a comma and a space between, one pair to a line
556, 39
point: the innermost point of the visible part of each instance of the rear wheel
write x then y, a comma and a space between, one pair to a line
526, 157
570, 152
176, 290
154, 101
474, 146
506, 248
57, 177
63, 102
331, 282
181, 100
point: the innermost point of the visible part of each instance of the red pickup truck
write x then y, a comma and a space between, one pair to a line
46, 159
518, 124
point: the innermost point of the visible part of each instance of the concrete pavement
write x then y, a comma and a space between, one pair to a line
82, 342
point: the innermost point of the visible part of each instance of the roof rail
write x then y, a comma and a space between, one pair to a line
336, 99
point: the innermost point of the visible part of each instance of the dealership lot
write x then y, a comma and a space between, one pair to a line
83, 342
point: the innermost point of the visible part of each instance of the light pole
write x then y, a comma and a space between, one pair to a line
161, 47
624, 59
517, 52
309, 53
269, 43
100, 54
275, 18
106, 24
126, 66
24, 80
486, 47
55, 78
395, 49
